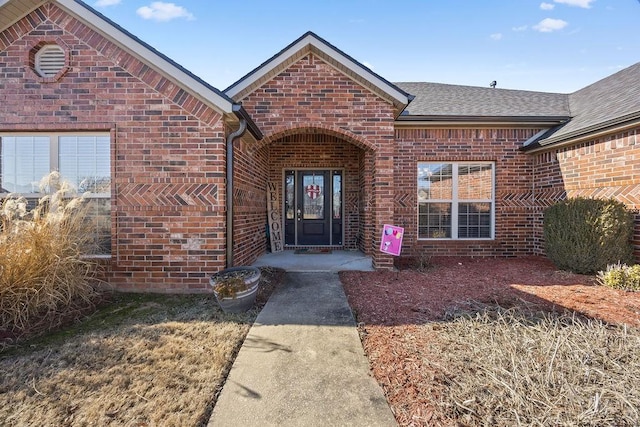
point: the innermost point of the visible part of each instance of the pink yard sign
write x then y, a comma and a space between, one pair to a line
391, 239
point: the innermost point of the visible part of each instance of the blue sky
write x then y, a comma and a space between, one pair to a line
549, 46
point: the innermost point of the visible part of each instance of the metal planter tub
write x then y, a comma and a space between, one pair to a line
236, 288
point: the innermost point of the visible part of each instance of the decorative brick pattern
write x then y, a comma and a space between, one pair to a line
514, 206
607, 167
169, 195
168, 158
251, 173
167, 151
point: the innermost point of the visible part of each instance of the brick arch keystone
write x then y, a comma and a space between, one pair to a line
318, 128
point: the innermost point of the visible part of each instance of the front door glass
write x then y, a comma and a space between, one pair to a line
313, 197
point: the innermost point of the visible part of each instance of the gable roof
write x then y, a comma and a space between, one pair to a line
444, 102
312, 43
11, 11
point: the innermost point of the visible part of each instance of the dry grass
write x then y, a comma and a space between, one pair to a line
42, 269
144, 360
506, 368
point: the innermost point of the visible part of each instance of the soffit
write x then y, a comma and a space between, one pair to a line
11, 11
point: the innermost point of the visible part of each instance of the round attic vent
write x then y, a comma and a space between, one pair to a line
49, 60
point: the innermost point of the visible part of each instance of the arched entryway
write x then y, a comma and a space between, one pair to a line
322, 178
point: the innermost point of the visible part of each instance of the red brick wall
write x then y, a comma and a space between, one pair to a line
605, 167
513, 187
251, 173
167, 151
312, 97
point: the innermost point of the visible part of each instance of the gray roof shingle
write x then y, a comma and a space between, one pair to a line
436, 99
608, 100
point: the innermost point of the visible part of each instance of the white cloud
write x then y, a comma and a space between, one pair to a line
163, 12
579, 3
368, 65
549, 25
106, 3
520, 28
496, 36
547, 6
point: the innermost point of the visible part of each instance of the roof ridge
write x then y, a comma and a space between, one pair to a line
480, 87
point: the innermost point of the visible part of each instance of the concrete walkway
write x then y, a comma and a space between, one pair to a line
302, 364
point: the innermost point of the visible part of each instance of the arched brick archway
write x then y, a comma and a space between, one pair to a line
317, 128
318, 147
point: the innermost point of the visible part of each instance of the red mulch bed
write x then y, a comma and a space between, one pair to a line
391, 306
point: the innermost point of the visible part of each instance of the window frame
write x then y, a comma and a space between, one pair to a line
54, 165
54, 155
455, 201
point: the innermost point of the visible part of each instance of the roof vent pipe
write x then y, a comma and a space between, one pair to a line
232, 136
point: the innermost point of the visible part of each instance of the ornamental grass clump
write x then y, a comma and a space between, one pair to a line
585, 235
621, 276
42, 264
515, 368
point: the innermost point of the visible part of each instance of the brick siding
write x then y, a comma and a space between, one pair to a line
251, 173
311, 97
514, 208
168, 158
167, 152
607, 167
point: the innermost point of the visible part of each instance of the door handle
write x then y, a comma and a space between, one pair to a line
299, 212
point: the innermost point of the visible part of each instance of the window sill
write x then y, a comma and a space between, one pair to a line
97, 257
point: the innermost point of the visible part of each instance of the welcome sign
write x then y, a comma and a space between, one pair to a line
275, 220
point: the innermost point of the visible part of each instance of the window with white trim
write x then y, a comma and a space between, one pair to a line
82, 159
456, 200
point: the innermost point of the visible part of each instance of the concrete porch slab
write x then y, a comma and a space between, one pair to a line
337, 260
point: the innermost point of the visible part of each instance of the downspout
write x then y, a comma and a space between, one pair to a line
232, 136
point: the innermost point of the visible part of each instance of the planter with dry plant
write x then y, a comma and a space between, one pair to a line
235, 288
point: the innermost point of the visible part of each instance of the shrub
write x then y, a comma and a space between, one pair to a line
42, 269
621, 276
585, 235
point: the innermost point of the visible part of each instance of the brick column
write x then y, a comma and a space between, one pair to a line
382, 192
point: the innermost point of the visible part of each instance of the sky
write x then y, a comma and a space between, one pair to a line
547, 46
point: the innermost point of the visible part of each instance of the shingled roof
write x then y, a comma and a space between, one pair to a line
612, 103
435, 100
608, 103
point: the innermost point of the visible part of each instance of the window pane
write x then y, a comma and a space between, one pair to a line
474, 220
337, 195
313, 198
25, 161
85, 162
475, 181
434, 220
435, 181
101, 217
290, 204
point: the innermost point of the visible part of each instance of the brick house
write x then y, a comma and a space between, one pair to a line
180, 171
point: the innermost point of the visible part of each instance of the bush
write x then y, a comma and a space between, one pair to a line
42, 269
621, 276
585, 235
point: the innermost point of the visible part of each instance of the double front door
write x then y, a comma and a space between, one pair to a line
313, 207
